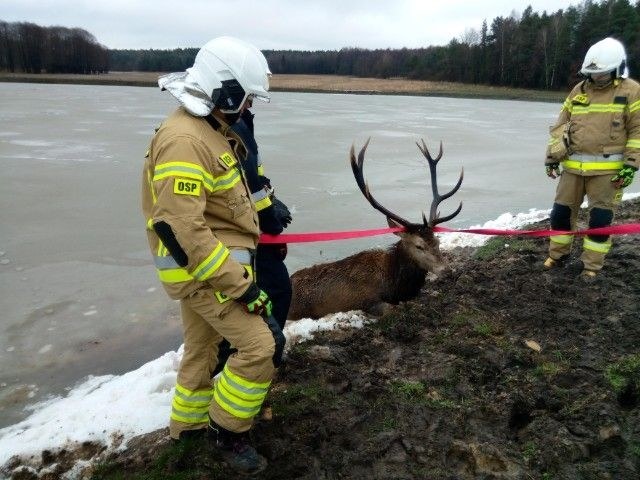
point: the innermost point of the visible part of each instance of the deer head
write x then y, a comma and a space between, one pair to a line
417, 239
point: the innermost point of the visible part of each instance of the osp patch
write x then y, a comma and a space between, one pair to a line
184, 186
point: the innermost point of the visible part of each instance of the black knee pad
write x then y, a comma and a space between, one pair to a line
560, 217
600, 217
224, 352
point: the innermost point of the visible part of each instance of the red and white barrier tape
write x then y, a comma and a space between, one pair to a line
626, 229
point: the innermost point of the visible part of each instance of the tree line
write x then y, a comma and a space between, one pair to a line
528, 50
532, 50
30, 48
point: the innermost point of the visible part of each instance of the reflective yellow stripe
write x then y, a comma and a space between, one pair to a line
260, 170
185, 170
176, 275
150, 224
234, 409
633, 143
600, 247
262, 204
553, 141
212, 263
567, 105
193, 397
597, 108
191, 406
238, 396
635, 106
189, 418
247, 393
150, 182
226, 181
586, 166
196, 172
245, 383
562, 239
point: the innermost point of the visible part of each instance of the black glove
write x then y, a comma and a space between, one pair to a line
281, 211
552, 169
256, 301
278, 338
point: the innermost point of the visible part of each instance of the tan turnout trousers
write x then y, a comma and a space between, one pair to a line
239, 391
601, 194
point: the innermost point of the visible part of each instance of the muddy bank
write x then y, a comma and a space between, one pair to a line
497, 371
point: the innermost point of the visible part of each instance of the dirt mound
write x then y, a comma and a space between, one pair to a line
497, 371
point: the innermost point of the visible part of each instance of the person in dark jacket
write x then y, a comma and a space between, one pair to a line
271, 272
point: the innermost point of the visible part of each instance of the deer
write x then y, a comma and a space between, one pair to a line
373, 280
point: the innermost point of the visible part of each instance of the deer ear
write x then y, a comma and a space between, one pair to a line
393, 224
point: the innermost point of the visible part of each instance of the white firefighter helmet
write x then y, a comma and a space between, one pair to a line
606, 56
225, 72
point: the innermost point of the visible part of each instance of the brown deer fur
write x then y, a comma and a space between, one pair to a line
373, 279
369, 280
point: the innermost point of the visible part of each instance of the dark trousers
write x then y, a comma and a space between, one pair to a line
272, 276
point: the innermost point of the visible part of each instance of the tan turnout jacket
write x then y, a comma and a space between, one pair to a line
193, 182
601, 129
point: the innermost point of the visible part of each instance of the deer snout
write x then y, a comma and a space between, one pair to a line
437, 268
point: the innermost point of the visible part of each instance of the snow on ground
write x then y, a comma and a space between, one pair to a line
107, 408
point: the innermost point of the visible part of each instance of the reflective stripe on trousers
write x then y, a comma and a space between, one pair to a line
238, 396
191, 406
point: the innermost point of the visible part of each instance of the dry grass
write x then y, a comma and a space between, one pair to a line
314, 83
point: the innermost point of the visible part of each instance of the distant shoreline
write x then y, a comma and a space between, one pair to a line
314, 84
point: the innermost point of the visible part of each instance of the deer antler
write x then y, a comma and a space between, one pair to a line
434, 215
356, 166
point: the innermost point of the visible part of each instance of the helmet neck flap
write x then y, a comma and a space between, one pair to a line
226, 71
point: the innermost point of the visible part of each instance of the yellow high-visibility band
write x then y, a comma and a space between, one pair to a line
562, 239
587, 166
212, 263
186, 170
600, 247
242, 391
232, 395
635, 106
240, 397
174, 276
226, 181
235, 410
193, 397
186, 417
262, 204
244, 382
150, 183
598, 108
633, 143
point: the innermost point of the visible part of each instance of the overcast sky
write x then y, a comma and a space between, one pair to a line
271, 24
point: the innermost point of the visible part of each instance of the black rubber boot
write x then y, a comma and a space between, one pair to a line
236, 450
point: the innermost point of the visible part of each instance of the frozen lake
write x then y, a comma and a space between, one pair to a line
79, 295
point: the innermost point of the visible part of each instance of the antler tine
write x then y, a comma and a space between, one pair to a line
425, 151
434, 215
357, 167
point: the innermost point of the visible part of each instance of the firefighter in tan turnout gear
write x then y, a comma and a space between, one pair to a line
597, 141
203, 230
